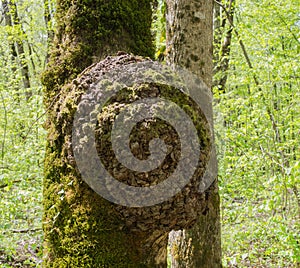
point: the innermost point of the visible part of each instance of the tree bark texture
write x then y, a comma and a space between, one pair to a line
81, 228
88, 31
190, 45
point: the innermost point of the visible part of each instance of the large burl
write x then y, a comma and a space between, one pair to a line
174, 212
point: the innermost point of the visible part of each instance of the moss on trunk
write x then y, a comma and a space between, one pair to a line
81, 229
89, 30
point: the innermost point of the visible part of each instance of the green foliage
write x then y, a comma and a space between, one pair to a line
21, 139
257, 131
159, 29
258, 138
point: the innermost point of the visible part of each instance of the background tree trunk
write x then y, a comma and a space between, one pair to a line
48, 17
189, 44
9, 22
17, 47
223, 29
81, 228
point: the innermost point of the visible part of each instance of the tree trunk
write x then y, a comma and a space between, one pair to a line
81, 228
223, 28
48, 17
17, 47
189, 45
9, 23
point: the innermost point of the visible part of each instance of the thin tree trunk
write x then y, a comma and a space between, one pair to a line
17, 48
222, 46
189, 44
48, 17
9, 22
21, 51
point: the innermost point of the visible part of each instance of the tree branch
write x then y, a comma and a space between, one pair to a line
241, 43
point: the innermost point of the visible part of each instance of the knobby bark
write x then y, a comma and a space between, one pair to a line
189, 44
81, 228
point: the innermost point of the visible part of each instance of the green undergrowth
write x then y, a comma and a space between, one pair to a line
257, 133
21, 182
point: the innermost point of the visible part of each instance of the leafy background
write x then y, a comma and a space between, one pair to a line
257, 121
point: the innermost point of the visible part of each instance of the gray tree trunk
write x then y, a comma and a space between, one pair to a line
190, 45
